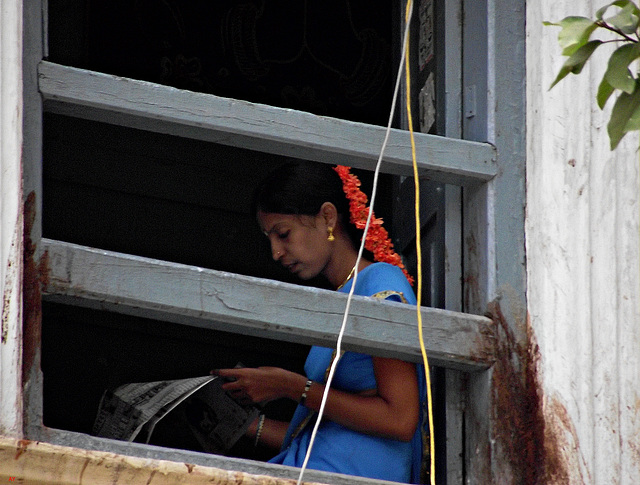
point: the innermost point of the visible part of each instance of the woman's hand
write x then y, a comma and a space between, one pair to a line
262, 384
391, 410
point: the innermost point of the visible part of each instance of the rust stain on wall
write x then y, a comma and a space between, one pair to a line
633, 442
151, 475
35, 275
87, 461
22, 447
562, 447
531, 446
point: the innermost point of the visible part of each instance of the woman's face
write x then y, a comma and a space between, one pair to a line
299, 243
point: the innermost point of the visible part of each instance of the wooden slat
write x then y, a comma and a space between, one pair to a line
163, 109
244, 470
252, 306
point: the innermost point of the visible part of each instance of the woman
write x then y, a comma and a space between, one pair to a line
370, 422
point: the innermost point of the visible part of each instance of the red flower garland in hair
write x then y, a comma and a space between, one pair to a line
378, 241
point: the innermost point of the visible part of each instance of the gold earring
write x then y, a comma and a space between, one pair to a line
330, 237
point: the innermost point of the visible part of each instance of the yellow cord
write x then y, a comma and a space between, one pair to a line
432, 473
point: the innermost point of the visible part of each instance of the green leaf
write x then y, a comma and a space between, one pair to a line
623, 116
602, 10
618, 74
618, 3
574, 34
605, 90
634, 121
576, 62
626, 20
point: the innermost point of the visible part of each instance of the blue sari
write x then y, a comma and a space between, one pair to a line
340, 449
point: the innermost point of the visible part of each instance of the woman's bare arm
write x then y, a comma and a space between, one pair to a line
272, 434
391, 410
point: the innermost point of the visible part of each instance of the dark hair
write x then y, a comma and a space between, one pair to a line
301, 188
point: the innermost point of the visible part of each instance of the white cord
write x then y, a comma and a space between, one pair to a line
366, 229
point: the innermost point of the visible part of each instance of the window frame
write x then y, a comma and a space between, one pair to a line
471, 165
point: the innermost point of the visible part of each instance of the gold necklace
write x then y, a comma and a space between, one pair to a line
353, 270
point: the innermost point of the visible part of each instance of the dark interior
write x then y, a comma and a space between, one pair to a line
331, 58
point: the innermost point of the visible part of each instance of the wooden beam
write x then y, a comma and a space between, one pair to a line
221, 470
37, 462
163, 109
224, 301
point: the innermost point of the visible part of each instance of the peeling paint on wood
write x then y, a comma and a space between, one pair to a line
11, 275
33, 277
471, 284
39, 463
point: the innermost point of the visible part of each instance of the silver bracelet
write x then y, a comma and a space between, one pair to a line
259, 430
307, 386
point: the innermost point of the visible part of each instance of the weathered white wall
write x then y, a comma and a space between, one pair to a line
582, 239
10, 215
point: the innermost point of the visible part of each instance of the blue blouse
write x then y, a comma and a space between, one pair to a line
340, 449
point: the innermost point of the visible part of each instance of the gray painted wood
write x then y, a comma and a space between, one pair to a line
494, 214
478, 239
33, 15
153, 107
455, 407
456, 394
478, 225
252, 306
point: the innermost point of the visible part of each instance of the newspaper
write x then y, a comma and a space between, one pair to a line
132, 411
